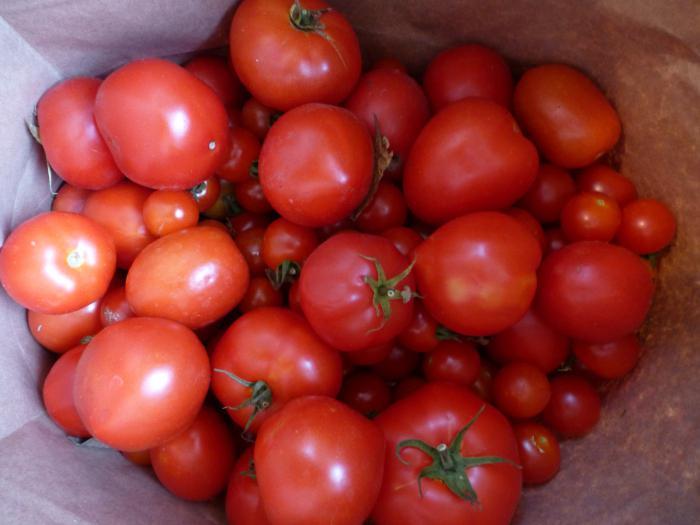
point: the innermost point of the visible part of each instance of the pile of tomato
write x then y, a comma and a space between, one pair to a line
344, 295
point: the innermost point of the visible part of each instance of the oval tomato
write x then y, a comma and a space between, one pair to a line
243, 505
61, 332
57, 393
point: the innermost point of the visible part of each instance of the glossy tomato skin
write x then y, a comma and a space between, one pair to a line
260, 293
250, 243
539, 452
611, 360
566, 114
167, 211
574, 406
206, 193
603, 179
552, 188
647, 226
531, 224
370, 356
182, 133
196, 464
452, 361
590, 216
594, 291
339, 303
57, 262
434, 414
257, 117
243, 151
194, 276
406, 386
141, 382
365, 392
114, 307
216, 74
421, 334
73, 146
57, 393
386, 209
284, 66
286, 241
243, 505
278, 347
61, 332
405, 239
477, 273
330, 469
70, 199
444, 177
521, 390
249, 194
316, 164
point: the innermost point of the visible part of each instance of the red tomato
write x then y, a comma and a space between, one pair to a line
216, 74
552, 188
167, 211
574, 406
407, 386
405, 239
250, 243
294, 298
365, 392
260, 293
422, 334
243, 504
481, 264
521, 390
357, 290
140, 457
590, 216
206, 193
467, 71
647, 226
141, 382
386, 209
257, 118
530, 223
317, 453
566, 115
398, 363
390, 63
114, 307
448, 428
483, 386
288, 54
610, 360
182, 132
286, 241
70, 199
276, 357
316, 164
249, 194
539, 452
555, 240
243, 152
73, 146
245, 221
594, 291
469, 157
196, 464
57, 262
371, 355
58, 393
604, 179
225, 204
194, 276
452, 361
61, 332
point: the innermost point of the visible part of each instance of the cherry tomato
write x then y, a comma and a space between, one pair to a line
604, 179
243, 504
483, 386
365, 392
167, 211
114, 307
216, 74
257, 118
647, 226
249, 194
371, 355
58, 393
386, 209
57, 262
250, 243
206, 193
421, 335
405, 239
610, 360
530, 223
574, 406
260, 293
397, 364
452, 361
243, 152
590, 216
225, 204
406, 386
70, 199
521, 390
555, 240
61, 332
245, 221
552, 188
539, 452
286, 241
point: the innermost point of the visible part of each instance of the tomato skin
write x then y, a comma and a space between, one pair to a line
531, 224
566, 114
371, 355
539, 452
574, 406
196, 464
398, 363
250, 243
552, 189
594, 291
249, 194
57, 262
610, 360
245, 221
243, 504
260, 293
477, 273
286, 241
61, 332
467, 71
483, 386
421, 334
216, 74
141, 382
194, 276
294, 298
182, 137
555, 240
405, 239
330, 469
206, 193
434, 414
244, 149
167, 211
283, 66
604, 179
406, 386
390, 63
114, 307
590, 216
444, 178
452, 361
647, 226
386, 209
57, 393
70, 199
141, 457
365, 392
521, 390
316, 164
257, 117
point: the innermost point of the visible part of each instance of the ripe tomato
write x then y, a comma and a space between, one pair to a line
555, 240
182, 132
141, 382
206, 193
566, 115
386, 209
193, 276
57, 262
357, 291
288, 54
140, 457
610, 360
365, 392
452, 361
243, 152
70, 199
471, 156
114, 307
530, 223
539, 452
294, 298
243, 505
196, 464
422, 334
406, 386
244, 221
250, 242
167, 211
467, 71
57, 393
483, 386
61, 332
317, 453
316, 164
405, 239
249, 194
260, 293
390, 63
604, 179
574, 406
552, 188
590, 216
216, 74
398, 363
371, 355
286, 241
72, 144
257, 118
465, 449
594, 291
276, 357
521, 390
477, 273
647, 226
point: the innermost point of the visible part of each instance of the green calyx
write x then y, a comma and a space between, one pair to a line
286, 272
307, 19
385, 290
199, 190
449, 466
253, 170
260, 396
250, 473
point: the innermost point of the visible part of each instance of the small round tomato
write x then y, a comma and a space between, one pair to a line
260, 293
61, 332
70, 199
405, 239
406, 386
453, 361
521, 390
114, 307
483, 386
243, 153
285, 248
604, 179
225, 204
365, 392
398, 363
167, 211
243, 504
257, 117
531, 224
422, 334
590, 216
250, 196
244, 221
647, 226
539, 452
574, 406
216, 74
386, 209
552, 188
371, 355
250, 243
555, 240
206, 193
57, 393
57, 262
610, 360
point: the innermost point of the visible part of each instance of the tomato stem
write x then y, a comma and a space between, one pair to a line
307, 19
382, 159
260, 396
384, 290
250, 473
286, 272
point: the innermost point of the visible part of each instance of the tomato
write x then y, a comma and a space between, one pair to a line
140, 457
422, 334
467, 71
365, 392
590, 216
196, 464
61, 332
216, 74
531, 224
243, 505
225, 204
405, 239
194, 276
119, 210
469, 157
483, 386
257, 118
316, 164
465, 449
245, 221
610, 360
574, 406
357, 290
371, 355
406, 386
539, 452
285, 248
73, 146
70, 199
290, 52
647, 226
390, 63
250, 243
594, 291
386, 209
243, 152
555, 240
275, 357
260, 293
391, 103
398, 363
182, 132
552, 188
521, 390
167, 211
317, 453
206, 193
57, 393
566, 115
294, 298
604, 179
212, 223
57, 262
141, 382
249, 194
532, 341
452, 361
477, 273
